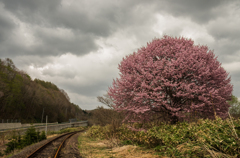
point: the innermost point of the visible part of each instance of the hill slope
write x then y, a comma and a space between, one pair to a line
24, 98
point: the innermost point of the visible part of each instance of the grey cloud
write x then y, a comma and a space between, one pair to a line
87, 24
49, 45
101, 19
45, 15
95, 20
63, 73
226, 35
92, 90
225, 32
81, 21
199, 11
10, 49
227, 47
235, 79
6, 26
51, 14
31, 60
228, 29
28, 10
80, 44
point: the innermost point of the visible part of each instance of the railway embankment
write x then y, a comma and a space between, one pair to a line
11, 142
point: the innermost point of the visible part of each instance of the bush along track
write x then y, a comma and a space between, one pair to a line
204, 138
18, 142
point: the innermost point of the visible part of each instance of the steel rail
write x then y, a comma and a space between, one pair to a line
60, 146
47, 143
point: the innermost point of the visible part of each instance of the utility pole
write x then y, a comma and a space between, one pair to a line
42, 115
66, 113
46, 126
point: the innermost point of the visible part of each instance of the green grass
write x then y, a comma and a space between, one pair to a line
205, 138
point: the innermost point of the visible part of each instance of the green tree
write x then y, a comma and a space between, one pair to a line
235, 106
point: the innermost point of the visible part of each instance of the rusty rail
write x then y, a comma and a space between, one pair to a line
46, 144
59, 148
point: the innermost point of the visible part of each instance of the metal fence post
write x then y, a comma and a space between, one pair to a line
46, 126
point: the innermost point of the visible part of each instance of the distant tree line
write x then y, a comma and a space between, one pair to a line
24, 98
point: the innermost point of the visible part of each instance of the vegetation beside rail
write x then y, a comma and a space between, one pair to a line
204, 138
66, 130
18, 142
93, 147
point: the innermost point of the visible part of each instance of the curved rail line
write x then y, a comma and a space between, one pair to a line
32, 155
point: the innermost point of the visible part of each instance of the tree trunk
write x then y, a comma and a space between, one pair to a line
174, 120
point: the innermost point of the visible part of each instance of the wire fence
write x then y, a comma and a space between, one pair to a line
10, 121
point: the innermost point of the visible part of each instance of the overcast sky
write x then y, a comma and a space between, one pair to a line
78, 44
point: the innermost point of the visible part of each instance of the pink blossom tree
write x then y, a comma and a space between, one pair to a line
171, 76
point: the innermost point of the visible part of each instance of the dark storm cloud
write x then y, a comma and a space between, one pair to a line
86, 23
91, 20
51, 15
99, 18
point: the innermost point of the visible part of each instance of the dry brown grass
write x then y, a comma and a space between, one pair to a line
94, 148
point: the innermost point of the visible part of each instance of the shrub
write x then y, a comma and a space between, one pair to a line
42, 136
182, 139
30, 137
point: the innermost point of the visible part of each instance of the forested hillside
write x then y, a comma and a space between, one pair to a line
24, 98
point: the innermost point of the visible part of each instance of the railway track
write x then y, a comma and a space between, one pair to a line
52, 148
